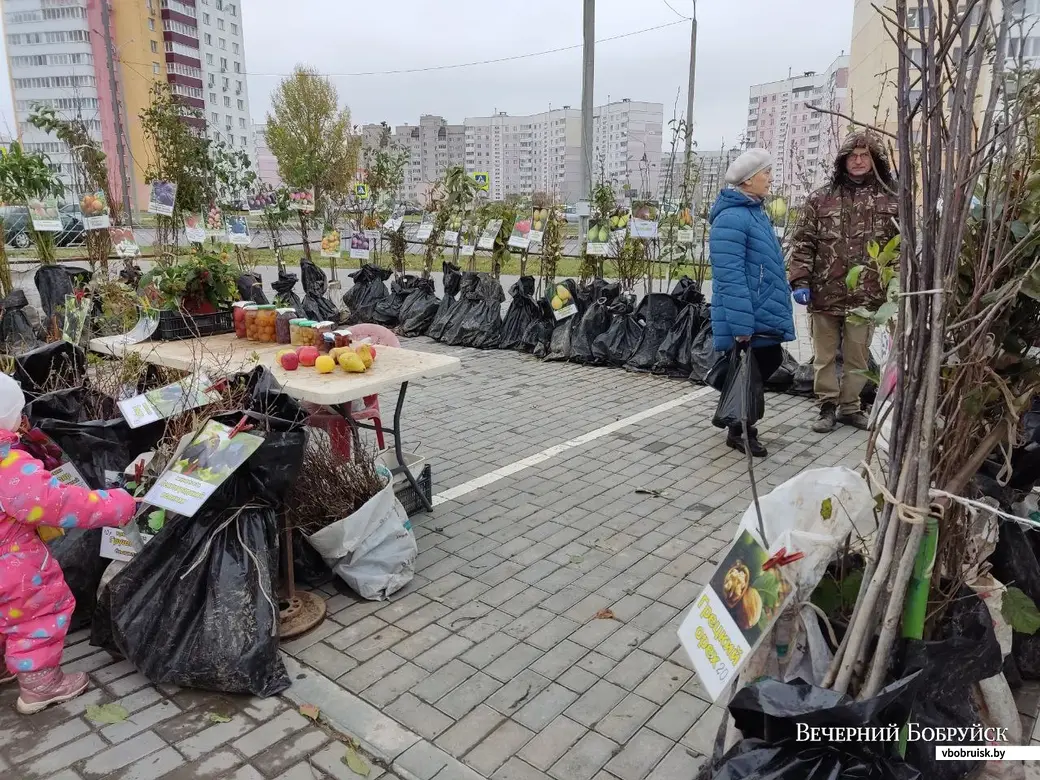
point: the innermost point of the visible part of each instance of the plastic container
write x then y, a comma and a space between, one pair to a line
265, 323
251, 330
343, 338
239, 314
282, 325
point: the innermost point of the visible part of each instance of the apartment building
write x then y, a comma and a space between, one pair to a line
708, 171
264, 162
433, 146
803, 142
226, 91
627, 138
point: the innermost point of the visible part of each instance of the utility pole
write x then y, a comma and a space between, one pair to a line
588, 52
693, 76
106, 22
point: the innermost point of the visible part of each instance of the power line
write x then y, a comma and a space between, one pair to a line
430, 68
672, 9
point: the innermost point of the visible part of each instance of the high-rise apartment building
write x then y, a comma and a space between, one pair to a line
803, 142
58, 56
433, 146
264, 162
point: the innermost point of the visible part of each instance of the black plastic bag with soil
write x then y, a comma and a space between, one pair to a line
595, 322
782, 379
54, 282
768, 713
686, 292
538, 336
369, 288
1025, 459
285, 292
743, 394
1017, 560
523, 310
16, 332
675, 357
452, 283
77, 551
316, 305
387, 311
564, 330
658, 311
619, 342
251, 288
467, 300
37, 370
804, 378
481, 327
419, 309
198, 606
704, 359
963, 652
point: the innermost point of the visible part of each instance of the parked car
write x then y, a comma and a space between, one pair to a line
17, 227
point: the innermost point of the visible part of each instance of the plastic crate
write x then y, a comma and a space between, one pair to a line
175, 326
406, 493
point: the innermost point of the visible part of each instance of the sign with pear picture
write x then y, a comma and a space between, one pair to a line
562, 302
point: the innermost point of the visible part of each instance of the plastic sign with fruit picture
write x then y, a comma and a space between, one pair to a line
645, 214
162, 403
44, 214
261, 202
618, 221
331, 245
360, 246
733, 613
123, 242
238, 230
94, 208
196, 472
301, 201
454, 229
214, 220
194, 228
162, 197
483, 180
487, 238
598, 238
425, 227
538, 219
562, 302
519, 238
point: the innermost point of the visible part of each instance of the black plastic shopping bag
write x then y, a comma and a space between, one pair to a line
743, 396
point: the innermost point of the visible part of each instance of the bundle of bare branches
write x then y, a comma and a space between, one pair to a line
969, 312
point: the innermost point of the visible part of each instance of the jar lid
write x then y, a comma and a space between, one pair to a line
266, 307
307, 323
296, 321
329, 337
250, 306
343, 333
242, 304
325, 324
286, 311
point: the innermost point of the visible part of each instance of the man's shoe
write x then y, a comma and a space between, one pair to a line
735, 440
856, 420
826, 421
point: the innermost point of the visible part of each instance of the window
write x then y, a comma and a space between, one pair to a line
227, 119
238, 67
233, 10
238, 87
234, 48
212, 97
243, 140
209, 59
214, 117
208, 39
223, 43
205, 18
227, 101
227, 83
151, 24
234, 29
242, 107
241, 120
223, 64
155, 67
220, 5
220, 23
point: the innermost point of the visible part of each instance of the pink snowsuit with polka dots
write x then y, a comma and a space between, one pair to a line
35, 603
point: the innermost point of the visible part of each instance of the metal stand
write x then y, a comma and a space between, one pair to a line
298, 612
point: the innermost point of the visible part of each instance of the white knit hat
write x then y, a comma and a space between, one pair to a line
747, 165
12, 402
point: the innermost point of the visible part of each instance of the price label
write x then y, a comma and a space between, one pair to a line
684, 236
451, 237
466, 250
535, 236
138, 411
372, 235
596, 249
519, 242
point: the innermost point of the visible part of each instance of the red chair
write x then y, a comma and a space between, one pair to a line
366, 409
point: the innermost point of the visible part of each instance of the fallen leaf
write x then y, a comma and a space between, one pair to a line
826, 509
107, 713
356, 763
309, 711
577, 559
216, 717
605, 614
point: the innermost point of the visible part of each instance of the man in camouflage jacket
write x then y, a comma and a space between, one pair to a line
838, 220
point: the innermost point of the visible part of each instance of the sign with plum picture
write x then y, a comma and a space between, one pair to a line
301, 201
95, 211
44, 214
519, 238
260, 202
736, 609
487, 238
194, 229
163, 196
360, 246
645, 214
238, 230
331, 246
124, 243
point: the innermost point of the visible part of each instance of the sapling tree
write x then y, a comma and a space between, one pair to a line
24, 177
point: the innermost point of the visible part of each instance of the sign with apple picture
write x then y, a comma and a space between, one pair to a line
645, 214
360, 246
519, 237
194, 229
598, 237
487, 238
45, 215
95, 211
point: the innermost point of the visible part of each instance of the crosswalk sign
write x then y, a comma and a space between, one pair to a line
361, 191
483, 180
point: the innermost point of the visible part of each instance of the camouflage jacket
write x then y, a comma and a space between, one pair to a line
832, 236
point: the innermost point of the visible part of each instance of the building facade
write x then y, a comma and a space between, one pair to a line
223, 62
264, 162
803, 142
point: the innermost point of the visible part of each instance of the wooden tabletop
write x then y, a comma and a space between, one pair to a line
228, 354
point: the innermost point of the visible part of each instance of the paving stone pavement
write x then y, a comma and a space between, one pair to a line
491, 664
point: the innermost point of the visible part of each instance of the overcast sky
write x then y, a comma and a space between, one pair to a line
740, 42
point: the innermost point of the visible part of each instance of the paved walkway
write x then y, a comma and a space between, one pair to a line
492, 663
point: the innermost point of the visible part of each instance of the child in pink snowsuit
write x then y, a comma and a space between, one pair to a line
35, 603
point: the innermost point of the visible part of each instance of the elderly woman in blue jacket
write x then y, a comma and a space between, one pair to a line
751, 299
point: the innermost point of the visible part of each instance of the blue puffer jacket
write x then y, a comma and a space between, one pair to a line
750, 294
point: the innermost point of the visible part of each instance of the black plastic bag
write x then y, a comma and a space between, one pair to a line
522, 312
658, 311
595, 322
37, 369
619, 342
78, 552
251, 288
316, 306
460, 310
54, 282
538, 335
675, 357
783, 378
686, 292
1017, 560
703, 357
285, 292
16, 332
309, 568
964, 652
1025, 460
481, 326
368, 289
419, 309
452, 282
768, 713
804, 380
387, 311
743, 396
564, 330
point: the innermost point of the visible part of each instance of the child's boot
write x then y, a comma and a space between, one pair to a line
39, 690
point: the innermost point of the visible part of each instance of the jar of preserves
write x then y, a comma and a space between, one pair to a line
294, 331
326, 343
282, 326
265, 323
239, 314
321, 328
305, 334
343, 338
251, 330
